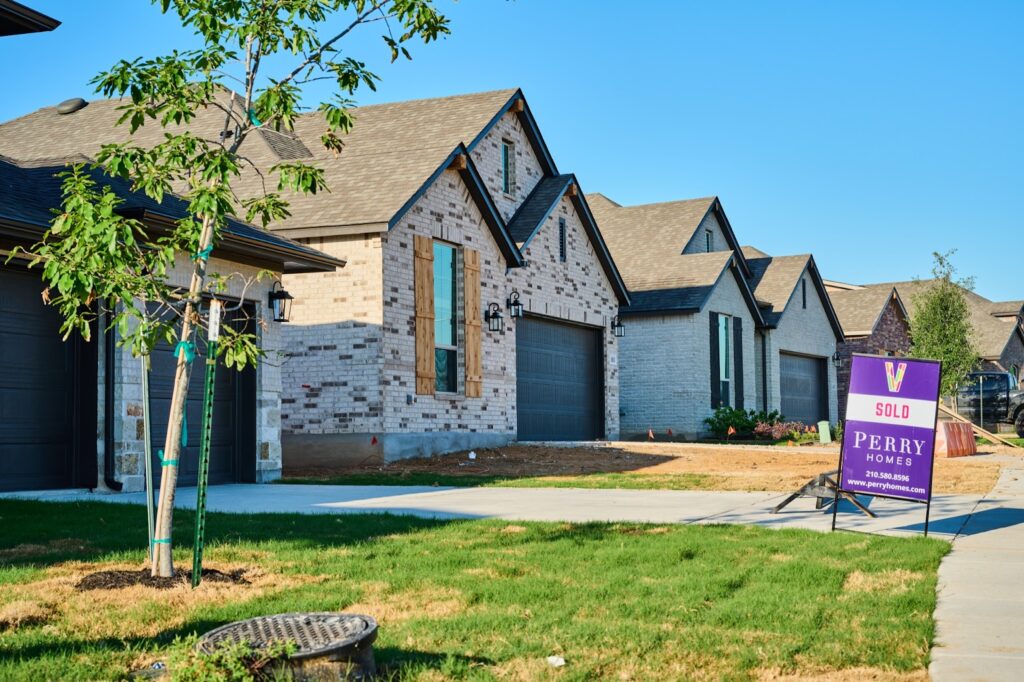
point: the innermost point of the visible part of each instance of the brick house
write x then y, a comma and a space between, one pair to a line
875, 321
796, 345
998, 326
447, 210
689, 344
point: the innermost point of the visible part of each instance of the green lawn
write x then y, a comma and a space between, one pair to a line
480, 599
627, 481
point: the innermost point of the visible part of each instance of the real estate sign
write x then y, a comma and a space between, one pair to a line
889, 435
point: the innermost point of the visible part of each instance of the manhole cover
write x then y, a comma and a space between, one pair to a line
315, 634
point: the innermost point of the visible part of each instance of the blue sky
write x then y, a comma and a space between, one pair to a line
869, 134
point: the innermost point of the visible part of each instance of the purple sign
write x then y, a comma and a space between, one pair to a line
889, 435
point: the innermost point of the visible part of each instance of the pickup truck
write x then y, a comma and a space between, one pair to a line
992, 398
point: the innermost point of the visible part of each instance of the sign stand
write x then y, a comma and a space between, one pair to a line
888, 423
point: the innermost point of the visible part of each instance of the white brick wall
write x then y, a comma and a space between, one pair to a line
807, 332
698, 244
487, 158
666, 365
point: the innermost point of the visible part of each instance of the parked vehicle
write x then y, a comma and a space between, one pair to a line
991, 398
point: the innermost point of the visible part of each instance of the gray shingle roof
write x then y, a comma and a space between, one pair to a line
684, 289
859, 310
391, 151
773, 280
29, 192
537, 207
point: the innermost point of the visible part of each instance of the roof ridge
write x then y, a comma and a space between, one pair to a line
510, 91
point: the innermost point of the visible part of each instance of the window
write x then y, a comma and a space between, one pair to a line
725, 357
508, 167
709, 241
446, 353
803, 287
561, 239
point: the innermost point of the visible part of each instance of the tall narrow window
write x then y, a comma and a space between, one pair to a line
725, 357
445, 319
561, 239
709, 241
508, 167
803, 285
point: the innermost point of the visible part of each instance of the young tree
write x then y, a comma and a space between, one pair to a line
96, 260
940, 324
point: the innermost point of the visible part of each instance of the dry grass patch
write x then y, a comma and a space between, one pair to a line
391, 608
33, 551
844, 675
898, 581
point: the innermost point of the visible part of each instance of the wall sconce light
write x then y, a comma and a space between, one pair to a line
492, 316
837, 359
280, 303
515, 308
618, 328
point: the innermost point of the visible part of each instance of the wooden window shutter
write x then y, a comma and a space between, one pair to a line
423, 273
737, 355
716, 376
474, 327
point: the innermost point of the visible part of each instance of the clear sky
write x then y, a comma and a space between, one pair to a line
867, 133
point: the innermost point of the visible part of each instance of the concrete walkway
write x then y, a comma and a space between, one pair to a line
980, 611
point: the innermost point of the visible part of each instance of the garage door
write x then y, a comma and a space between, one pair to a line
45, 441
233, 438
560, 390
804, 388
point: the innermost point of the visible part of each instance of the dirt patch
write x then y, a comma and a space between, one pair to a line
115, 580
844, 675
897, 581
720, 467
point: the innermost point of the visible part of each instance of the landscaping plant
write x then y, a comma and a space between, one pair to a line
255, 58
744, 422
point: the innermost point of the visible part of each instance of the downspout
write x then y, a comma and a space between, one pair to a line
110, 351
764, 372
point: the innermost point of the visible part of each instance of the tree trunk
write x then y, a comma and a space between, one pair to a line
162, 560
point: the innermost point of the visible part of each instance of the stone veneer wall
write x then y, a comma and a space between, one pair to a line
129, 457
665, 360
890, 336
805, 331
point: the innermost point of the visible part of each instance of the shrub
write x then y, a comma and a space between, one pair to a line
744, 421
779, 430
238, 662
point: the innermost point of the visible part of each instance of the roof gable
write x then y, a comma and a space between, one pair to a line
860, 310
775, 280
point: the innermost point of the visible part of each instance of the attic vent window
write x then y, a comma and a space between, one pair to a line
286, 147
803, 291
561, 240
508, 166
709, 241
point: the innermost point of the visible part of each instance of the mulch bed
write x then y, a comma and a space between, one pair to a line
114, 580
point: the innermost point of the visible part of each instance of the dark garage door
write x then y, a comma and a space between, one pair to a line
560, 389
804, 388
45, 438
233, 440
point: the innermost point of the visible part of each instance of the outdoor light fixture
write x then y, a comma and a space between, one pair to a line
837, 359
280, 303
493, 318
618, 328
515, 308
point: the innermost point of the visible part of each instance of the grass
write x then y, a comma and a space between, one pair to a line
481, 599
985, 441
620, 480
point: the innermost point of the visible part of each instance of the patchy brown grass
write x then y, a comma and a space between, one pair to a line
845, 675
653, 465
390, 608
35, 551
897, 581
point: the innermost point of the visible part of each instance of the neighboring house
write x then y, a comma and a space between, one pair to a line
797, 344
998, 326
448, 208
875, 322
690, 326
71, 411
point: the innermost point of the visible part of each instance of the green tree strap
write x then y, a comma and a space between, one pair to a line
184, 426
187, 348
161, 541
166, 462
204, 254
252, 118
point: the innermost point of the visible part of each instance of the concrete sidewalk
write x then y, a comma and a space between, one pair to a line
980, 612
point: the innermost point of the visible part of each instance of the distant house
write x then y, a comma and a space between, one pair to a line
998, 325
797, 344
874, 320
689, 344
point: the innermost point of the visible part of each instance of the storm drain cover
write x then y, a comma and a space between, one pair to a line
315, 634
